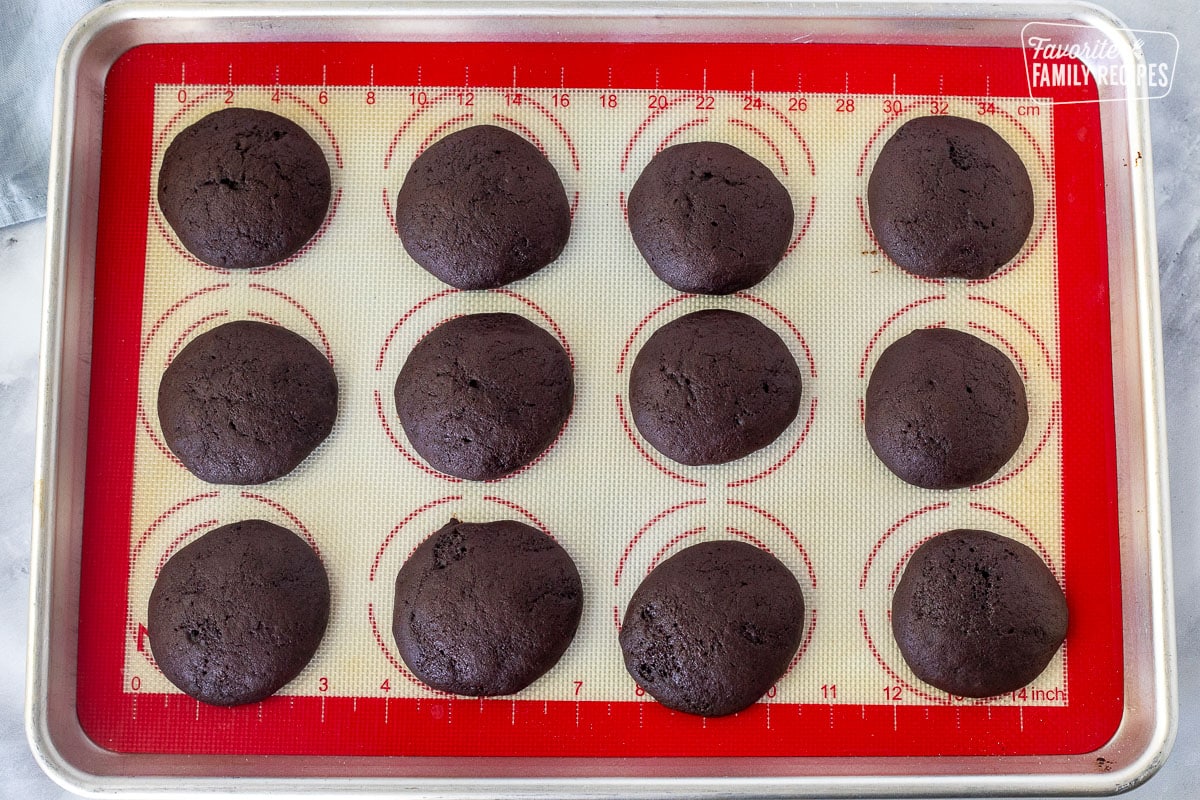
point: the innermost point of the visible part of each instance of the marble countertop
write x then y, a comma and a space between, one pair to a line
1175, 122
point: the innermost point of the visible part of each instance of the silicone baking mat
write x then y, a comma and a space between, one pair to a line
817, 498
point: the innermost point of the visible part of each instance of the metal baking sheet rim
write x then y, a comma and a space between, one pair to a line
1138, 748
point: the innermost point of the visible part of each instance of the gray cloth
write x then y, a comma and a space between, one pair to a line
31, 33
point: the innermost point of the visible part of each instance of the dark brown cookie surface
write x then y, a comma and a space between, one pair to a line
246, 402
481, 208
483, 395
949, 198
485, 609
977, 614
713, 386
709, 218
713, 627
945, 409
244, 188
238, 613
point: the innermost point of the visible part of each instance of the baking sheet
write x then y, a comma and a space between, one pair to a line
817, 498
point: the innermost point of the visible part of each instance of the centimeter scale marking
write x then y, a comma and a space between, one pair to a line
985, 100
563, 80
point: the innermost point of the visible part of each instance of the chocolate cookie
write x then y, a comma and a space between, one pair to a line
713, 627
483, 395
486, 608
949, 198
482, 207
713, 386
238, 613
977, 614
244, 188
709, 218
945, 409
246, 402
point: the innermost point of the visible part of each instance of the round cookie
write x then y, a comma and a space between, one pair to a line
246, 402
485, 609
481, 208
238, 613
977, 614
244, 188
945, 409
713, 386
483, 395
713, 627
949, 198
709, 218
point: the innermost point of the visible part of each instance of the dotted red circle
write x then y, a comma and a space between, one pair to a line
1031, 243
983, 331
623, 413
384, 414
160, 222
143, 416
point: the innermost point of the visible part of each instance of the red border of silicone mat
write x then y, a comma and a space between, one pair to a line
123, 720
